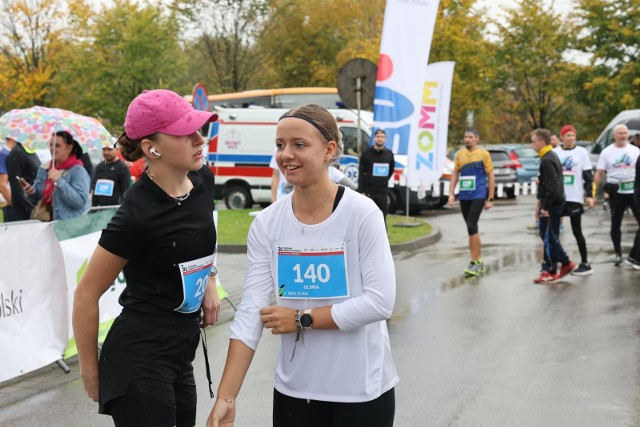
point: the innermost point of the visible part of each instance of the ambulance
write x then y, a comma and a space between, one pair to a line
242, 142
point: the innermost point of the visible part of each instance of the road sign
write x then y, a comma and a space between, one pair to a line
200, 100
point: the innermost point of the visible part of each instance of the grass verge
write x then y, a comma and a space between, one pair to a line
233, 227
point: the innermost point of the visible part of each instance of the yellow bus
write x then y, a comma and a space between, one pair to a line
326, 97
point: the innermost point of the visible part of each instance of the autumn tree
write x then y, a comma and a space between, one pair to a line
532, 77
127, 49
458, 36
611, 35
29, 37
305, 42
225, 46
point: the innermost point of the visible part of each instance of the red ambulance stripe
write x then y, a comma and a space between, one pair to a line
255, 171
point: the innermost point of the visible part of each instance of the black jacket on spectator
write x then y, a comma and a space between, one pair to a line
367, 183
550, 181
24, 165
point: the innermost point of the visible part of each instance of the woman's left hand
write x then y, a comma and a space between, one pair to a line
210, 305
54, 174
281, 320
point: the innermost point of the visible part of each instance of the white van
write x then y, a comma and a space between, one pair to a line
242, 142
631, 118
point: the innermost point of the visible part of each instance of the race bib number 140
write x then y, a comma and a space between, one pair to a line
312, 273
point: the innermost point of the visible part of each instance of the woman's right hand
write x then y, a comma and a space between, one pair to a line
91, 383
28, 188
223, 414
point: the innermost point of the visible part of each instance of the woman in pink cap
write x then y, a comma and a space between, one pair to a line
163, 239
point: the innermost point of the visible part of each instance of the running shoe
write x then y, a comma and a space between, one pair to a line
474, 268
547, 277
633, 263
617, 260
566, 269
584, 269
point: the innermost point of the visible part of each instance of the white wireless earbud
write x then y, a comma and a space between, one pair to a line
154, 152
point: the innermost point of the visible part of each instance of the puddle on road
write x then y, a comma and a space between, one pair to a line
497, 258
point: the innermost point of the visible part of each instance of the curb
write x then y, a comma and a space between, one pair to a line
419, 243
413, 245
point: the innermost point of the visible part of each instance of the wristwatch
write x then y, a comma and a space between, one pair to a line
214, 272
306, 319
490, 199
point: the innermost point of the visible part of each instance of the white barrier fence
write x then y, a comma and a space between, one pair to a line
33, 293
40, 266
519, 188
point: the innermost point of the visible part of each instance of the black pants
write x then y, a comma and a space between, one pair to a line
381, 200
293, 412
619, 203
146, 372
574, 211
471, 210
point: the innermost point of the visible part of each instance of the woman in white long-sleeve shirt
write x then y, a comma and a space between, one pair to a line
323, 250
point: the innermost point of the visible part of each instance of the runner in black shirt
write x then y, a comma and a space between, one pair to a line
111, 180
163, 238
376, 167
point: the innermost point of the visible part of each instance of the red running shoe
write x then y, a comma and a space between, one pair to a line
546, 277
566, 269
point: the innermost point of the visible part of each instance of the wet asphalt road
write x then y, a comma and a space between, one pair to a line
490, 351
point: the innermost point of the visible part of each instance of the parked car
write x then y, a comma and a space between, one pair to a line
525, 160
504, 168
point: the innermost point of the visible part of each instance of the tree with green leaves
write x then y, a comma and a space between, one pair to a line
611, 35
305, 42
458, 36
226, 43
532, 77
128, 48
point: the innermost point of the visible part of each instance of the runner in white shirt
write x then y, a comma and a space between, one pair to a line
323, 251
618, 161
578, 189
280, 187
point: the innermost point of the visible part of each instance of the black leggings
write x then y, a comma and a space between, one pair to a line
471, 210
619, 203
576, 227
293, 412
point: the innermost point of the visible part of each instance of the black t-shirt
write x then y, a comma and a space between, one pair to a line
155, 234
24, 165
371, 178
118, 172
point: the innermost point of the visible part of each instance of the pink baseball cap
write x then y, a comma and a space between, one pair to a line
165, 111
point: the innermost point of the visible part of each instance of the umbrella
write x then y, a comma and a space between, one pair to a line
35, 126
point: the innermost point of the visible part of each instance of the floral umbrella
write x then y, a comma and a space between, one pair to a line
34, 127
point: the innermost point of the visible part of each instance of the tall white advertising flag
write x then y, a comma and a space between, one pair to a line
404, 54
427, 151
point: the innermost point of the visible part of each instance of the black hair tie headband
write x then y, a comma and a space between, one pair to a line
308, 120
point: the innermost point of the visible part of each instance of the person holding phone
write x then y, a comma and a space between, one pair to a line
62, 184
22, 167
